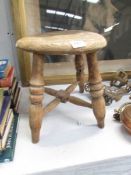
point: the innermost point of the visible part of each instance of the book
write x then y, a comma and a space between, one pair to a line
3, 64
4, 113
3, 138
14, 86
14, 93
4, 73
1, 98
16, 96
7, 82
8, 154
17, 102
10, 90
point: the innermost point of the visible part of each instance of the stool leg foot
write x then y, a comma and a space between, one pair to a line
79, 65
36, 97
36, 113
100, 123
99, 110
96, 89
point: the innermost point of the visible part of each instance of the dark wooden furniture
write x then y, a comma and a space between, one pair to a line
65, 42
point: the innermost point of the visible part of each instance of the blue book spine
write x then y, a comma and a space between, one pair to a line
3, 64
2, 75
4, 107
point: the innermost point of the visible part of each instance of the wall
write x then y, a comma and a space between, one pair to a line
7, 37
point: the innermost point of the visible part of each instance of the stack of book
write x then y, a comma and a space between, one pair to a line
9, 102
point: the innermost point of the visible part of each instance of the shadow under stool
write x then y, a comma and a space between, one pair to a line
57, 43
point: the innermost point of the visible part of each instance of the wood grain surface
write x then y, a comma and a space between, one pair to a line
54, 43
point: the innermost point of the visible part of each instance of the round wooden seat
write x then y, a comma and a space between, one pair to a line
64, 42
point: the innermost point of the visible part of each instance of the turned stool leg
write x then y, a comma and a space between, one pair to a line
36, 97
96, 89
79, 65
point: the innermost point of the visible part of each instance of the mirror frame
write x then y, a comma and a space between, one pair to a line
23, 27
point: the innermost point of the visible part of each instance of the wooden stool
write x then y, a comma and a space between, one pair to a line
58, 43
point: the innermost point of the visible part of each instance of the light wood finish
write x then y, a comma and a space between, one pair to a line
96, 89
43, 43
26, 19
65, 96
52, 105
36, 97
79, 102
32, 11
20, 21
61, 43
79, 65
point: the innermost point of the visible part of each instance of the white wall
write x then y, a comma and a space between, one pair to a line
7, 37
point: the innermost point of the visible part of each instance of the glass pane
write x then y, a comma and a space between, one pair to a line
111, 18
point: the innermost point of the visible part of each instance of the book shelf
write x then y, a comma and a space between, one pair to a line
70, 143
